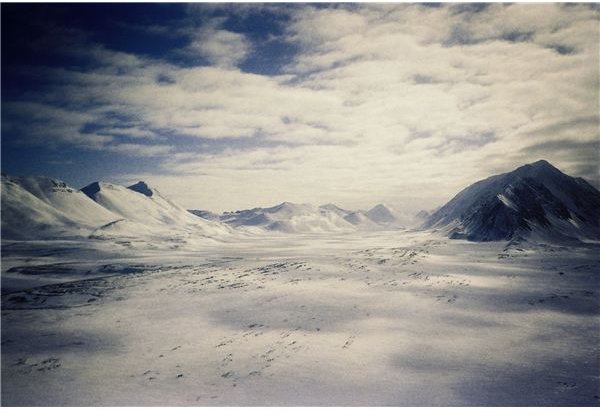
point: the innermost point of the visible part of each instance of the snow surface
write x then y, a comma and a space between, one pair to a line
359, 318
120, 297
335, 209
206, 214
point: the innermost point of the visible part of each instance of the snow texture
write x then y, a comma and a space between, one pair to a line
118, 296
387, 318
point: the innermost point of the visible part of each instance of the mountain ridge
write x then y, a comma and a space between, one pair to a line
534, 199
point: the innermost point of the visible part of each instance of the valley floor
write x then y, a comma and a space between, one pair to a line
389, 318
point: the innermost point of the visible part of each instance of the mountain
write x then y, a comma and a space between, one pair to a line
387, 217
355, 217
44, 208
141, 187
335, 209
534, 201
206, 214
293, 217
41, 208
381, 214
147, 207
360, 220
288, 217
422, 215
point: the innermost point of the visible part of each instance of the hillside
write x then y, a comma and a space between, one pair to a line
534, 201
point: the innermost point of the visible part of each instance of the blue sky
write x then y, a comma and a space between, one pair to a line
229, 106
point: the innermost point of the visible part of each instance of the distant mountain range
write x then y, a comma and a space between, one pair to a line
45, 208
535, 201
296, 218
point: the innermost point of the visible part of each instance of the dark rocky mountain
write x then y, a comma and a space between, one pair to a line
141, 187
534, 201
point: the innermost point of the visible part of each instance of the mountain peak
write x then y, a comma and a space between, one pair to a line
141, 187
541, 167
542, 163
330, 206
381, 214
535, 199
335, 209
380, 206
94, 188
287, 205
91, 189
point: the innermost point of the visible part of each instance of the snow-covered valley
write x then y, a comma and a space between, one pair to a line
354, 318
300, 204
115, 295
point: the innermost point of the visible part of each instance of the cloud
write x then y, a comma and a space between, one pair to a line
398, 103
41, 124
140, 149
221, 48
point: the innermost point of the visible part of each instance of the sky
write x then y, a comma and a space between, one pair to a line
230, 106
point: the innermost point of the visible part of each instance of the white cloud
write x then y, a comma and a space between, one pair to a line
221, 48
140, 149
383, 103
53, 126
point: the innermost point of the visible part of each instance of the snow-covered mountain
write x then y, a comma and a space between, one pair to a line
288, 217
360, 220
381, 214
45, 208
534, 201
336, 209
41, 208
357, 218
293, 217
206, 214
388, 217
145, 206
